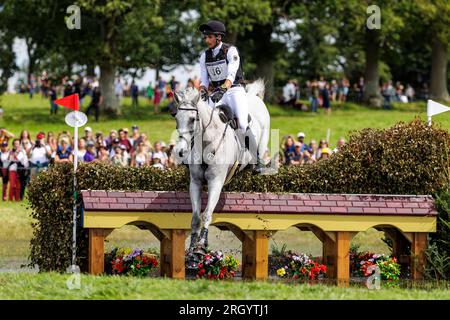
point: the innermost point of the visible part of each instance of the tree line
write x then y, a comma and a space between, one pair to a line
278, 39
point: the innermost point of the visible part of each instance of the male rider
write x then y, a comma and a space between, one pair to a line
221, 69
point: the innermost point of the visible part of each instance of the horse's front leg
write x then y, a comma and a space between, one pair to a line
195, 192
214, 189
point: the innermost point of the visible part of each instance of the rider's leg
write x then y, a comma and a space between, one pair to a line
236, 98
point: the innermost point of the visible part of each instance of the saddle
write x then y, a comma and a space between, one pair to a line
227, 115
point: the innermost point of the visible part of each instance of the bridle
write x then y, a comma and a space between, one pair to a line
197, 119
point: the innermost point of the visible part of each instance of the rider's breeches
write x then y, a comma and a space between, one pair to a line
236, 98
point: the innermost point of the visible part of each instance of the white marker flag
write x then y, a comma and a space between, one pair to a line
434, 108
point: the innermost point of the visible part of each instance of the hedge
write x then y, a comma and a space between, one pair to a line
408, 158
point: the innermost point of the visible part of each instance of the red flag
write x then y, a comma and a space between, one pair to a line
70, 102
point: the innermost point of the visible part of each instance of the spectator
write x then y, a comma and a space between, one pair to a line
134, 135
25, 141
314, 96
134, 94
311, 155
68, 89
96, 102
334, 90
99, 141
88, 135
51, 142
157, 163
4, 167
173, 84
326, 99
339, 145
118, 157
39, 156
5, 135
190, 84
150, 92
322, 144
157, 99
114, 145
289, 149
118, 89
325, 153
289, 94
160, 154
301, 139
109, 140
140, 157
81, 149
343, 89
123, 138
103, 155
89, 155
410, 93
64, 152
388, 93
18, 161
53, 96
297, 155
361, 88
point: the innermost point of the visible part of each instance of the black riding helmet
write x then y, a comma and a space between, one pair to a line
213, 27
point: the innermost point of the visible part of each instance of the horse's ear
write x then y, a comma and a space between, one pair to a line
177, 96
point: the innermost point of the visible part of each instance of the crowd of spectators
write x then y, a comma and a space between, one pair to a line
322, 93
23, 157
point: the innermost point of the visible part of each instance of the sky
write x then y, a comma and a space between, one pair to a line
181, 73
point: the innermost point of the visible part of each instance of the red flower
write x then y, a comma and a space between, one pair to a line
138, 258
200, 265
138, 266
303, 270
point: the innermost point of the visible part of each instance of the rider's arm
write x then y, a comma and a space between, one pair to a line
233, 64
204, 80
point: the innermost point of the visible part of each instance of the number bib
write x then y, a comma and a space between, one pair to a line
217, 70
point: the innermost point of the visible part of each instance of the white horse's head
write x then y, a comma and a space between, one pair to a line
187, 117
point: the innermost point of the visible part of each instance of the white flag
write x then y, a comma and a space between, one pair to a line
434, 108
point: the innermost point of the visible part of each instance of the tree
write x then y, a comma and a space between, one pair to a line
250, 21
121, 25
435, 16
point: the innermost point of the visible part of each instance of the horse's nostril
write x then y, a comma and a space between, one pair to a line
181, 153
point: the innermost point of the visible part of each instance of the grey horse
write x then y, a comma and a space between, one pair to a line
211, 149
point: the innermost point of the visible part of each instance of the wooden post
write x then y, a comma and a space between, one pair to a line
329, 257
343, 258
96, 259
173, 254
418, 246
255, 255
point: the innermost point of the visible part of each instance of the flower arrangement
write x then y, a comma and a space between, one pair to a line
214, 265
134, 262
301, 266
361, 261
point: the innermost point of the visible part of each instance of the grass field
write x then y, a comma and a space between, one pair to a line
15, 224
53, 286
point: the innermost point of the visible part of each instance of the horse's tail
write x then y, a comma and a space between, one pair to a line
256, 88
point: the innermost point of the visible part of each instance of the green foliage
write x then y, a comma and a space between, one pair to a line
408, 158
438, 253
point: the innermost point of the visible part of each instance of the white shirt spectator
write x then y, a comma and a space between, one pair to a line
81, 154
4, 157
162, 156
20, 156
289, 92
39, 154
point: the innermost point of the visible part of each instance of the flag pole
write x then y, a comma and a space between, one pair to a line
75, 166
